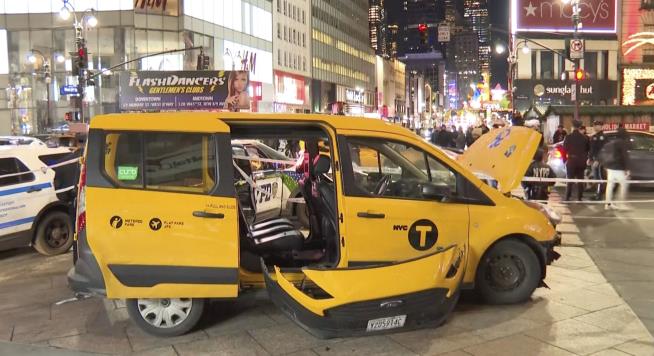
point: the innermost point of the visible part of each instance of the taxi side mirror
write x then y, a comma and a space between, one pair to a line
436, 192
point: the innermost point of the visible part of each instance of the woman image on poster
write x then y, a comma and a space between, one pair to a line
237, 86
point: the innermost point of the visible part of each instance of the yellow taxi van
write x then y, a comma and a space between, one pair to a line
397, 228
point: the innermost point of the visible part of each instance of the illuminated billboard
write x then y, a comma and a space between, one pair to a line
597, 16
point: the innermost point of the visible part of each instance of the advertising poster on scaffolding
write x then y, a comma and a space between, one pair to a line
184, 90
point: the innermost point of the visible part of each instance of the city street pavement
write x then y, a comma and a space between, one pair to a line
622, 246
581, 314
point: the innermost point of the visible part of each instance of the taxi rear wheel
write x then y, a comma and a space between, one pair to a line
509, 273
54, 234
166, 316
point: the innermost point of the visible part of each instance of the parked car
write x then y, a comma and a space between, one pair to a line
31, 211
641, 155
276, 182
21, 141
390, 247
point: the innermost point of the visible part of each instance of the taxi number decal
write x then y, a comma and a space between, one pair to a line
500, 137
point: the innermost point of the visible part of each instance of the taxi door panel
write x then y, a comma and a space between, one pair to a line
400, 222
162, 214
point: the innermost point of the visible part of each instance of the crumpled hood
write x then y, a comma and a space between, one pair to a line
504, 154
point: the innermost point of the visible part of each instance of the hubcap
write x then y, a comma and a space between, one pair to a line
56, 233
506, 272
164, 313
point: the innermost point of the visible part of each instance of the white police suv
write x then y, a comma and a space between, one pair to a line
36, 197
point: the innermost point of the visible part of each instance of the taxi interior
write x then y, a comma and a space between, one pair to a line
282, 241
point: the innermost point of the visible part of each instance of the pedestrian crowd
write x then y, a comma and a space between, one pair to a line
594, 154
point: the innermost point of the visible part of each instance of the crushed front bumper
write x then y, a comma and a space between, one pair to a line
428, 308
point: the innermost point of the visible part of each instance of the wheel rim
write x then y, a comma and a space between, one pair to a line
57, 233
505, 272
164, 313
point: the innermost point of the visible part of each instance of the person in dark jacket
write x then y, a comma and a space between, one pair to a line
597, 141
576, 145
469, 139
559, 134
537, 168
617, 168
444, 138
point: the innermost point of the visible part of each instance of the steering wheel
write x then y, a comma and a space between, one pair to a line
383, 184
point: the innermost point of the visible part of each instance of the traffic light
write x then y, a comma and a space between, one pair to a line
580, 74
81, 61
203, 62
422, 28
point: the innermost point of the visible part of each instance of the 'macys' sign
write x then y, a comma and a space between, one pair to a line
597, 16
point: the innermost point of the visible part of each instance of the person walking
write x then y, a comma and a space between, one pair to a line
460, 139
559, 134
577, 146
469, 139
615, 158
597, 142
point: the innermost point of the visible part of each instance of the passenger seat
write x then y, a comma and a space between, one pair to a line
272, 235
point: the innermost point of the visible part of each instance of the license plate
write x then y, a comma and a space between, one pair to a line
386, 323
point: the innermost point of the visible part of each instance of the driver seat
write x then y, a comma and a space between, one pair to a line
320, 197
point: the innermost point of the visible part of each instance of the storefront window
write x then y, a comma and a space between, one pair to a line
546, 65
590, 64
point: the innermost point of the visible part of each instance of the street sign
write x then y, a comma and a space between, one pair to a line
443, 33
68, 89
576, 49
573, 92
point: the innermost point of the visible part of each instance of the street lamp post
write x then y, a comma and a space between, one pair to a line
89, 20
576, 23
47, 76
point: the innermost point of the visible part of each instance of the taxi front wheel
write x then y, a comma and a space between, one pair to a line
509, 273
166, 316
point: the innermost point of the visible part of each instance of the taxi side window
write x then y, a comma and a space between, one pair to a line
391, 169
185, 162
161, 161
13, 166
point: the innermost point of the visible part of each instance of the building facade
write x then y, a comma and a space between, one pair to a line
292, 55
343, 63
229, 31
543, 76
476, 16
378, 28
637, 54
391, 88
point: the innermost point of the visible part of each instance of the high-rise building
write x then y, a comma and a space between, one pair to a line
292, 55
476, 15
378, 28
343, 62
413, 38
463, 57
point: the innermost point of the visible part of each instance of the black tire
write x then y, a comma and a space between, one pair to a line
54, 234
184, 326
508, 273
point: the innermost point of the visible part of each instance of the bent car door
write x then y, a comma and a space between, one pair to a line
338, 302
161, 208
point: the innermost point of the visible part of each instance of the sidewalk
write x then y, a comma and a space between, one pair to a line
581, 314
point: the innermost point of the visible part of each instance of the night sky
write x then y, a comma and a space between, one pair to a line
499, 17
